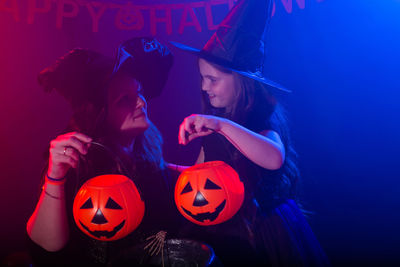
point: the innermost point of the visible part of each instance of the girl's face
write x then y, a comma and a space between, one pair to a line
127, 108
219, 86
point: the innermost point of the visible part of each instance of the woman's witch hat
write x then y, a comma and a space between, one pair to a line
238, 43
82, 75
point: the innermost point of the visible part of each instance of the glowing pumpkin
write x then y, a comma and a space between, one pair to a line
108, 207
209, 193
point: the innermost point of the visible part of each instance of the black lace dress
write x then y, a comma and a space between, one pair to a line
269, 229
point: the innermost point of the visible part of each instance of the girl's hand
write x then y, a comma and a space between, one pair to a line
197, 125
65, 151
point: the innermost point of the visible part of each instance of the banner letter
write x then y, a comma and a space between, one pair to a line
62, 13
13, 8
101, 8
194, 21
129, 17
33, 9
154, 19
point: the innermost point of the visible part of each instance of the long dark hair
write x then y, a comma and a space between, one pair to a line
257, 109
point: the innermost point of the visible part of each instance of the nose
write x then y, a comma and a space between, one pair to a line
141, 102
99, 218
203, 86
199, 200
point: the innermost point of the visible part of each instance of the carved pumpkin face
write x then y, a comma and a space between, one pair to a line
108, 207
209, 193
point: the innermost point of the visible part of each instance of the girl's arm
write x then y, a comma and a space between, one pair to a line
264, 149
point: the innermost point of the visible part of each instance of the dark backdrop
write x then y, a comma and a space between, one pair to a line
340, 58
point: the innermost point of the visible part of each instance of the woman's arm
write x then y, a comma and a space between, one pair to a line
48, 225
264, 149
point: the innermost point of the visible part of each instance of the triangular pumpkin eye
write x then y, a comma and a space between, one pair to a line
111, 204
188, 188
211, 185
88, 204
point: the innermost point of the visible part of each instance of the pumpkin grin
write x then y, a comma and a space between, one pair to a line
108, 207
209, 193
106, 234
211, 216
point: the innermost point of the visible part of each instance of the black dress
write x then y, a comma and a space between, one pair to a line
269, 229
155, 186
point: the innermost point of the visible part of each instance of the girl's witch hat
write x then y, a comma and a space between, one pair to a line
238, 43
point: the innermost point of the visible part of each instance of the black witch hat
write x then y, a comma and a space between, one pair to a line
82, 75
238, 43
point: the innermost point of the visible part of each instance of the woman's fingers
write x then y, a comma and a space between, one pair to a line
70, 141
61, 160
82, 137
71, 152
65, 151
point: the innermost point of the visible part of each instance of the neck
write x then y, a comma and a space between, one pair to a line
125, 142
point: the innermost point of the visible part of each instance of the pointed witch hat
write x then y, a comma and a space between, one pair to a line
238, 43
81, 76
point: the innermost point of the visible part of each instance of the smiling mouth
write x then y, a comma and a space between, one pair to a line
141, 114
106, 234
211, 216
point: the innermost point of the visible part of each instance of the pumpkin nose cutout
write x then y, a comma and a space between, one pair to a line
199, 200
99, 218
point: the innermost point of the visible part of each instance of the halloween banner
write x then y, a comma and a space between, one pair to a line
128, 16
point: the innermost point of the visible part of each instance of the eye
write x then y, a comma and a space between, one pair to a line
210, 185
211, 78
88, 204
111, 204
188, 188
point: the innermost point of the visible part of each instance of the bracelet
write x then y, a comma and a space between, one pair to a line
50, 195
54, 181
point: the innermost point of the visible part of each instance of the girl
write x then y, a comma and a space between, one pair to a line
243, 125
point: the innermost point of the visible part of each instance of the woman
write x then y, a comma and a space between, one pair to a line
109, 132
244, 126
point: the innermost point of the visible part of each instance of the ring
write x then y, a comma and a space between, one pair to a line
65, 150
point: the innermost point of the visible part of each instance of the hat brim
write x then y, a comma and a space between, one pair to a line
218, 61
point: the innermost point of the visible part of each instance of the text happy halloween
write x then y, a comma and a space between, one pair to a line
129, 16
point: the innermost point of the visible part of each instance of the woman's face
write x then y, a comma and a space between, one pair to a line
127, 108
219, 86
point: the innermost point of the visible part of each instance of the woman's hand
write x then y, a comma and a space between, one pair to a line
197, 125
65, 151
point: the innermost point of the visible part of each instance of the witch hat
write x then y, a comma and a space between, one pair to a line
81, 76
238, 43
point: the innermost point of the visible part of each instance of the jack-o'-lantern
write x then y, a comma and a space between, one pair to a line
108, 207
209, 193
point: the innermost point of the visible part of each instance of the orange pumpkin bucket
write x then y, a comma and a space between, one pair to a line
108, 207
209, 193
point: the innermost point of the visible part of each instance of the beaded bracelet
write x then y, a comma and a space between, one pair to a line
54, 181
